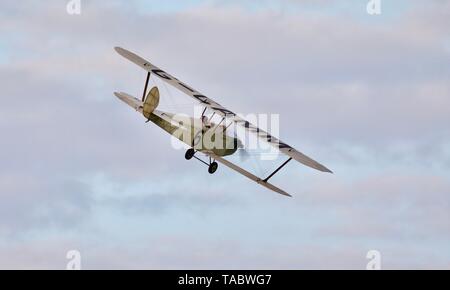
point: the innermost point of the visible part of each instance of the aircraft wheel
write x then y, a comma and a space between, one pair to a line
213, 167
189, 154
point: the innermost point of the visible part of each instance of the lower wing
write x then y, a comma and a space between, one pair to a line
248, 174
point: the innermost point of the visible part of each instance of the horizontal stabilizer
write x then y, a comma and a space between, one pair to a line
130, 100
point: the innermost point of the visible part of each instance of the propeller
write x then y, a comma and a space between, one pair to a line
241, 151
243, 154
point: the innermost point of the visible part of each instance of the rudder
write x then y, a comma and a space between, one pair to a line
151, 102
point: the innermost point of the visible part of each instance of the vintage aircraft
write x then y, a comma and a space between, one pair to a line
197, 129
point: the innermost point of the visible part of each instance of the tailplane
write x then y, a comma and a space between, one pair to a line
147, 107
130, 100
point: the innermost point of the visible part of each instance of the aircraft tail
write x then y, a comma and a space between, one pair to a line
151, 102
145, 108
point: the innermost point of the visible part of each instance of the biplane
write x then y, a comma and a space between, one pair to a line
197, 128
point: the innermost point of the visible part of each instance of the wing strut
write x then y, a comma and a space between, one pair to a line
218, 125
146, 86
204, 111
278, 169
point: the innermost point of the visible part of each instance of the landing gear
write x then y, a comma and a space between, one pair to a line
189, 154
213, 167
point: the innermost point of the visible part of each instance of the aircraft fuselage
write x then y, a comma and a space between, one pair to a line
191, 131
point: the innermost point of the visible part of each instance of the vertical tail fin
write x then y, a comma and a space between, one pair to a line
151, 102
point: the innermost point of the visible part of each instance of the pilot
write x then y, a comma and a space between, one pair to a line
205, 122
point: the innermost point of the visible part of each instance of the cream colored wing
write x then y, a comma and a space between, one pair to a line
248, 174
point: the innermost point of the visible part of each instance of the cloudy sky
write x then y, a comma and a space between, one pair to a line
368, 96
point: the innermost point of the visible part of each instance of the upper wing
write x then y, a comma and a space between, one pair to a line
283, 147
248, 174
207, 102
172, 81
